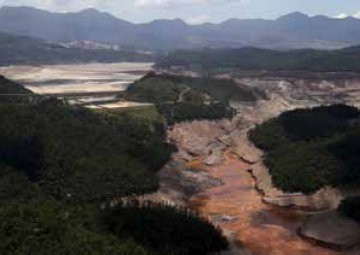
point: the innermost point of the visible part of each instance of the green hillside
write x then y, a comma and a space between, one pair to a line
62, 165
308, 149
180, 98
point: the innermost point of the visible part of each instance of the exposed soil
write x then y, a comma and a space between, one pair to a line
237, 207
225, 192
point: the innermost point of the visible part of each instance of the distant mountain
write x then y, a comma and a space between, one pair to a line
16, 49
88, 24
292, 31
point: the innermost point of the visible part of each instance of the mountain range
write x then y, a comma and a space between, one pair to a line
292, 31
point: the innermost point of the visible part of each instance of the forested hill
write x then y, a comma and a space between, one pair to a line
26, 50
308, 149
181, 98
254, 59
62, 165
9, 87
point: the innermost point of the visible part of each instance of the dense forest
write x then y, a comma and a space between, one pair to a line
180, 98
179, 112
307, 149
251, 59
10, 87
15, 50
155, 88
349, 207
61, 166
163, 221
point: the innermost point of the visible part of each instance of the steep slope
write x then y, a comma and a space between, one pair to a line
9, 87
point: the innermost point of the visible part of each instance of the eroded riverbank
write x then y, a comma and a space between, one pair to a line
253, 213
224, 191
237, 207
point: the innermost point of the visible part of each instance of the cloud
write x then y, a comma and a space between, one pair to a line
345, 15
200, 19
58, 5
180, 3
341, 16
356, 15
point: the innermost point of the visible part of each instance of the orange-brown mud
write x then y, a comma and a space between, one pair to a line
260, 228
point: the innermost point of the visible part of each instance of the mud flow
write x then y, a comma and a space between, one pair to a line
259, 228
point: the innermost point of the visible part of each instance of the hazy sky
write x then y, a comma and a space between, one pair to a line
197, 11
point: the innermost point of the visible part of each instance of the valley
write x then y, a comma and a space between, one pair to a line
235, 190
179, 127
216, 169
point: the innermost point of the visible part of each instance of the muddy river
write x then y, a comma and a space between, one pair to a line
259, 228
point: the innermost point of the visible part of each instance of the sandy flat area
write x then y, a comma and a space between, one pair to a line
118, 105
82, 78
86, 87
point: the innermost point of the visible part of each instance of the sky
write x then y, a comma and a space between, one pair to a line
198, 11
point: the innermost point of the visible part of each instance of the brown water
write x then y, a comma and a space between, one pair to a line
260, 228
